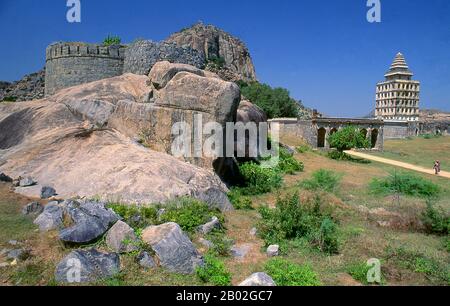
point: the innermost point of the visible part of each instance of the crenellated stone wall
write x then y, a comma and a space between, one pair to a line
75, 63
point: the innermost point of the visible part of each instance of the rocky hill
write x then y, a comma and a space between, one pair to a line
30, 87
226, 55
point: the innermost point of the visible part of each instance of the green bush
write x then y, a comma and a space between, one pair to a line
291, 219
218, 62
436, 221
338, 155
303, 149
112, 40
240, 201
285, 273
359, 272
221, 244
322, 179
276, 102
288, 164
214, 272
189, 213
348, 138
404, 183
259, 180
9, 99
136, 216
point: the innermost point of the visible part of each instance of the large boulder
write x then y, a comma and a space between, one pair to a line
173, 248
33, 208
43, 139
249, 112
83, 266
89, 219
215, 45
121, 238
51, 218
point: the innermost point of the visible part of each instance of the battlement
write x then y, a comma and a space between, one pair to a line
79, 49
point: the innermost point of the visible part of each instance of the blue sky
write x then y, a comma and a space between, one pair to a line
325, 52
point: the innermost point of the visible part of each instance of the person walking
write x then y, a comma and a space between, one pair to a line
437, 167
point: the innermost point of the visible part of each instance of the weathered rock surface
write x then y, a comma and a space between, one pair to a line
30, 87
121, 238
18, 254
47, 192
27, 182
145, 260
92, 266
173, 248
51, 218
33, 208
216, 44
240, 251
67, 133
141, 55
249, 112
273, 250
90, 221
258, 279
210, 226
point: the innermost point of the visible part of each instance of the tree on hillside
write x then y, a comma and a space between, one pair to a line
276, 102
348, 138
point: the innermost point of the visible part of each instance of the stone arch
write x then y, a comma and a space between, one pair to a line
321, 135
374, 138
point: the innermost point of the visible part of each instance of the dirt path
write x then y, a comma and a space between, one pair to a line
397, 163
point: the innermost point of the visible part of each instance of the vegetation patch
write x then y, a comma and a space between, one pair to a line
214, 271
404, 183
239, 201
436, 220
348, 138
275, 102
359, 272
288, 164
112, 40
285, 273
338, 155
259, 180
420, 263
9, 99
323, 180
291, 219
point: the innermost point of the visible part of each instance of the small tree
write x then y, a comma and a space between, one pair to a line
348, 138
112, 40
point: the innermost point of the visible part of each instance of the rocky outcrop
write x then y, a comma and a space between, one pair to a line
83, 266
249, 112
30, 87
142, 55
73, 133
173, 248
121, 238
224, 52
51, 218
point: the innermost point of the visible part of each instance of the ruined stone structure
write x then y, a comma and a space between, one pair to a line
397, 98
70, 64
316, 131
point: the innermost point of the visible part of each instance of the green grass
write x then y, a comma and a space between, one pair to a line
285, 273
214, 271
418, 151
14, 226
322, 180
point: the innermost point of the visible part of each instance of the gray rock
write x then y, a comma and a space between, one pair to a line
253, 232
26, 182
258, 279
121, 238
4, 252
215, 198
33, 208
4, 265
206, 243
161, 212
5, 178
210, 226
14, 242
47, 192
51, 218
145, 260
18, 254
173, 248
90, 221
83, 266
273, 250
240, 251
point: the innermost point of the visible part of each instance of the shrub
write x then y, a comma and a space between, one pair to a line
218, 62
136, 216
338, 155
348, 138
214, 272
285, 273
322, 179
189, 213
221, 244
405, 183
436, 221
303, 149
112, 40
291, 219
240, 201
288, 164
276, 102
359, 272
9, 99
259, 180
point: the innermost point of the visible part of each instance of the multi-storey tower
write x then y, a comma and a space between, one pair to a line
397, 98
